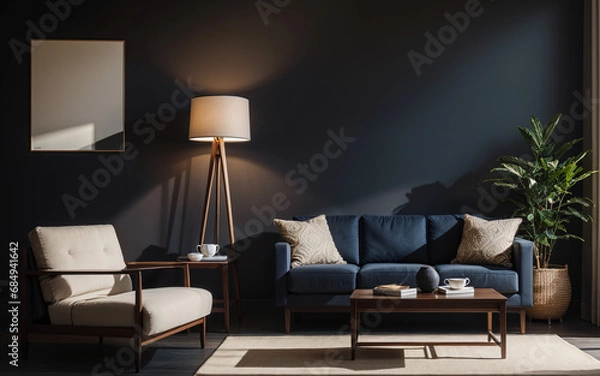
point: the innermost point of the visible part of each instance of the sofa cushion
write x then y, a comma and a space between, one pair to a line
501, 279
163, 308
323, 279
394, 238
91, 247
487, 242
371, 275
344, 230
444, 233
310, 240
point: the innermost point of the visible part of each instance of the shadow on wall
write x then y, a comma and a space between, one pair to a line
164, 277
257, 264
156, 253
467, 195
433, 198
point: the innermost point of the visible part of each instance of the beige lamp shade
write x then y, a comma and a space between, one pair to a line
220, 116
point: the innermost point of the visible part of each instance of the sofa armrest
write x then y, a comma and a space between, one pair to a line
283, 259
523, 260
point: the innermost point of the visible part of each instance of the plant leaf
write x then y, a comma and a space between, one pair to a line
550, 127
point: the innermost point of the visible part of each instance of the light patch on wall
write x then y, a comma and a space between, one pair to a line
234, 52
80, 137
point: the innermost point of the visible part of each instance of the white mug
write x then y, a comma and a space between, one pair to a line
208, 250
457, 283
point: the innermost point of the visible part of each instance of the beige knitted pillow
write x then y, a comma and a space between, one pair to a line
310, 240
487, 242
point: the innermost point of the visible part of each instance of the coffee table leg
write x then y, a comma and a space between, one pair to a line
489, 325
354, 324
503, 328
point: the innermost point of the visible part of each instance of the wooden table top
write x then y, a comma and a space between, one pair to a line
183, 261
478, 294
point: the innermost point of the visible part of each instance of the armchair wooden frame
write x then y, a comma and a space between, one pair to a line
135, 271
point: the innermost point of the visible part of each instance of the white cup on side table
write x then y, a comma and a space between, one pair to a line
208, 250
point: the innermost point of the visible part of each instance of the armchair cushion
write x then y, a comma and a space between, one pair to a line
164, 308
92, 247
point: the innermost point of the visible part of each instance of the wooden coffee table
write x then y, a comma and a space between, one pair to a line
482, 300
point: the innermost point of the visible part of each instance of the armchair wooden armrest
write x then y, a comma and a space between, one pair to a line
132, 268
151, 265
155, 264
54, 272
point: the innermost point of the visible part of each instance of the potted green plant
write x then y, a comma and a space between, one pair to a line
541, 188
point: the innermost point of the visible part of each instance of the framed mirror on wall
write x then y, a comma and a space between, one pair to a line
77, 95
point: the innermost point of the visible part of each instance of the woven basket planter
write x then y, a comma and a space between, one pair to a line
551, 293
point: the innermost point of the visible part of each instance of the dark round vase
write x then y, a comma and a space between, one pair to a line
427, 279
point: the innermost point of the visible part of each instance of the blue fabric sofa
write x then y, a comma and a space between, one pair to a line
382, 249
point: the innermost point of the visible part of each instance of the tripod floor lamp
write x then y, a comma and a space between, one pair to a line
219, 119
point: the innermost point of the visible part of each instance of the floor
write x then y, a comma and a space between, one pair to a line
180, 354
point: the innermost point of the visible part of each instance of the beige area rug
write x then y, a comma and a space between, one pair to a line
528, 354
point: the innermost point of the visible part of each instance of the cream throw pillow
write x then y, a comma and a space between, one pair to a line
487, 242
310, 240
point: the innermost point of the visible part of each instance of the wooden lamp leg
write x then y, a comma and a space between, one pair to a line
218, 173
227, 192
218, 168
209, 184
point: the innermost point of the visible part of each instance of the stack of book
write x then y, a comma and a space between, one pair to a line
445, 290
395, 290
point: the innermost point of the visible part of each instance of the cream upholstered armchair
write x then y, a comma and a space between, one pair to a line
87, 289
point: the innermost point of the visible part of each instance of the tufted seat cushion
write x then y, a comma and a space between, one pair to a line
163, 308
79, 248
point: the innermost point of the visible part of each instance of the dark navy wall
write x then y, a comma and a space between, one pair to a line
356, 107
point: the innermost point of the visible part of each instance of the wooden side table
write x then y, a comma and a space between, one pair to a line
222, 305
219, 305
